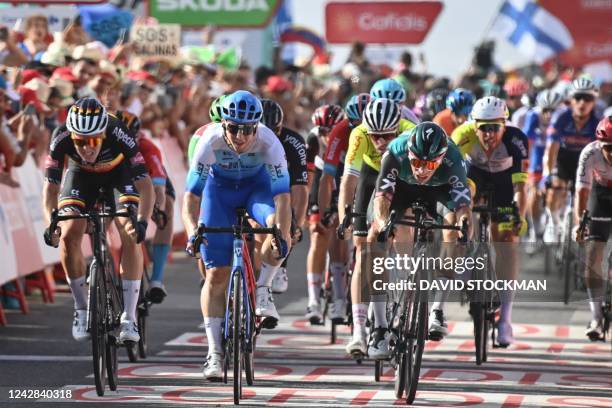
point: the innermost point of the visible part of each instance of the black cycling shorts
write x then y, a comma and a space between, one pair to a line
501, 185
80, 189
363, 194
313, 198
600, 205
567, 164
407, 194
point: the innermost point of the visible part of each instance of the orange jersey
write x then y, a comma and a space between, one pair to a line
445, 121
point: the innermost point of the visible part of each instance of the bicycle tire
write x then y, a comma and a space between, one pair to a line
333, 335
249, 363
485, 330
97, 319
142, 330
236, 335
480, 337
566, 255
416, 346
111, 363
400, 376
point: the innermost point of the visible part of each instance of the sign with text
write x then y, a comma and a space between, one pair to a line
222, 13
404, 22
161, 40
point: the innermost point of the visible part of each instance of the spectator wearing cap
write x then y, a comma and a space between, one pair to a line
36, 41
104, 80
280, 89
37, 93
15, 136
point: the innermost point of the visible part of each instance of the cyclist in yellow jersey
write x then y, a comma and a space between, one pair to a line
367, 143
497, 156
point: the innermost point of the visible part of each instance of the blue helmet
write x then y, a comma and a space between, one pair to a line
390, 89
356, 105
242, 107
460, 101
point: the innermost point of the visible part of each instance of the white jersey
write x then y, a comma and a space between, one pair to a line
407, 113
593, 165
215, 158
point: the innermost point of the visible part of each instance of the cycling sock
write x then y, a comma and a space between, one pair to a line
212, 326
314, 287
79, 292
338, 270
505, 312
360, 314
131, 289
160, 255
595, 303
380, 311
266, 276
440, 296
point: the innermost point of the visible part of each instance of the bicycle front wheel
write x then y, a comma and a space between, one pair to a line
416, 344
97, 322
236, 337
477, 310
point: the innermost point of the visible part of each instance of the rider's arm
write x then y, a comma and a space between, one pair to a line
296, 158
299, 202
353, 161
348, 185
54, 167
584, 180
279, 174
190, 210
326, 187
553, 142
50, 193
155, 167
385, 188
144, 186
520, 163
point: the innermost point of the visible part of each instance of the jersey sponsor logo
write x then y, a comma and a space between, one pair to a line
332, 149
298, 146
389, 181
138, 159
520, 145
350, 157
124, 137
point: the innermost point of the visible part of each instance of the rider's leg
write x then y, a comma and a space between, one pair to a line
161, 244
338, 265
131, 268
315, 267
506, 267
72, 260
359, 292
593, 276
212, 302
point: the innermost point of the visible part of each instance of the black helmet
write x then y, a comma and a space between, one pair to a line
428, 141
272, 114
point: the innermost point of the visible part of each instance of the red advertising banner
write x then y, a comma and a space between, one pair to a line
406, 22
589, 23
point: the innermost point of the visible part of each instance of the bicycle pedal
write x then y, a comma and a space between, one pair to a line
316, 322
269, 323
339, 321
435, 337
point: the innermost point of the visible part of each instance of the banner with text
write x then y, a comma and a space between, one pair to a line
161, 40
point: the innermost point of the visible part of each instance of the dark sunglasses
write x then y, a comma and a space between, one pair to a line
386, 136
584, 97
490, 127
245, 129
91, 141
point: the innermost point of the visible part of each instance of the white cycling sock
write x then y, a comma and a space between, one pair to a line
441, 295
266, 276
505, 312
339, 270
314, 288
595, 303
212, 326
360, 314
131, 289
79, 292
380, 312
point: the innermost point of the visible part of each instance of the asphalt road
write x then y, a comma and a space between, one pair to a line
552, 363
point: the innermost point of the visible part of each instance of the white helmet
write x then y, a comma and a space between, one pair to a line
381, 115
87, 117
548, 99
584, 85
490, 108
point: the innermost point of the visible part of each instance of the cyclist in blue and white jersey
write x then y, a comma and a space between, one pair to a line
236, 164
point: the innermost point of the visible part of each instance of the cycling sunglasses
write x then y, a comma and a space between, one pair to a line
386, 136
584, 97
490, 127
245, 129
424, 164
87, 141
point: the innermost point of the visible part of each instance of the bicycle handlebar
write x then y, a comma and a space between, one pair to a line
425, 224
347, 221
236, 230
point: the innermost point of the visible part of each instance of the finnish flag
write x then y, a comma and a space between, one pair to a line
532, 29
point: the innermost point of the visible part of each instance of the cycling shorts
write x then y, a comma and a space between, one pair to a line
600, 205
363, 194
435, 196
80, 189
220, 199
567, 164
536, 161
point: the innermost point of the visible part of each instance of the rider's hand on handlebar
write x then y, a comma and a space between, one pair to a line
52, 238
578, 234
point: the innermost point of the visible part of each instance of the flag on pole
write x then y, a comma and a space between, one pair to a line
532, 29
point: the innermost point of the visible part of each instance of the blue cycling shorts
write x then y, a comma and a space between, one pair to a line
220, 199
536, 159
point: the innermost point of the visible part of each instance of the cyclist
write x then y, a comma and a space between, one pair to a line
421, 163
537, 121
515, 89
367, 143
237, 164
295, 150
594, 190
325, 119
496, 155
328, 194
435, 102
101, 153
459, 104
163, 209
391, 89
567, 135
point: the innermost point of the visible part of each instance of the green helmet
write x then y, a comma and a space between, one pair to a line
427, 141
215, 109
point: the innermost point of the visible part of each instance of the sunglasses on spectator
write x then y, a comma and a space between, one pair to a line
245, 129
490, 127
386, 136
584, 97
424, 164
87, 141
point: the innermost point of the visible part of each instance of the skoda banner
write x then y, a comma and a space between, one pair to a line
222, 13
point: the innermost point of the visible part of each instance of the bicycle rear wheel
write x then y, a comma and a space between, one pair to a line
236, 337
567, 261
416, 344
477, 310
97, 322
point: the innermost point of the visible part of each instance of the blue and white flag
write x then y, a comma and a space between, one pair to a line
532, 29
